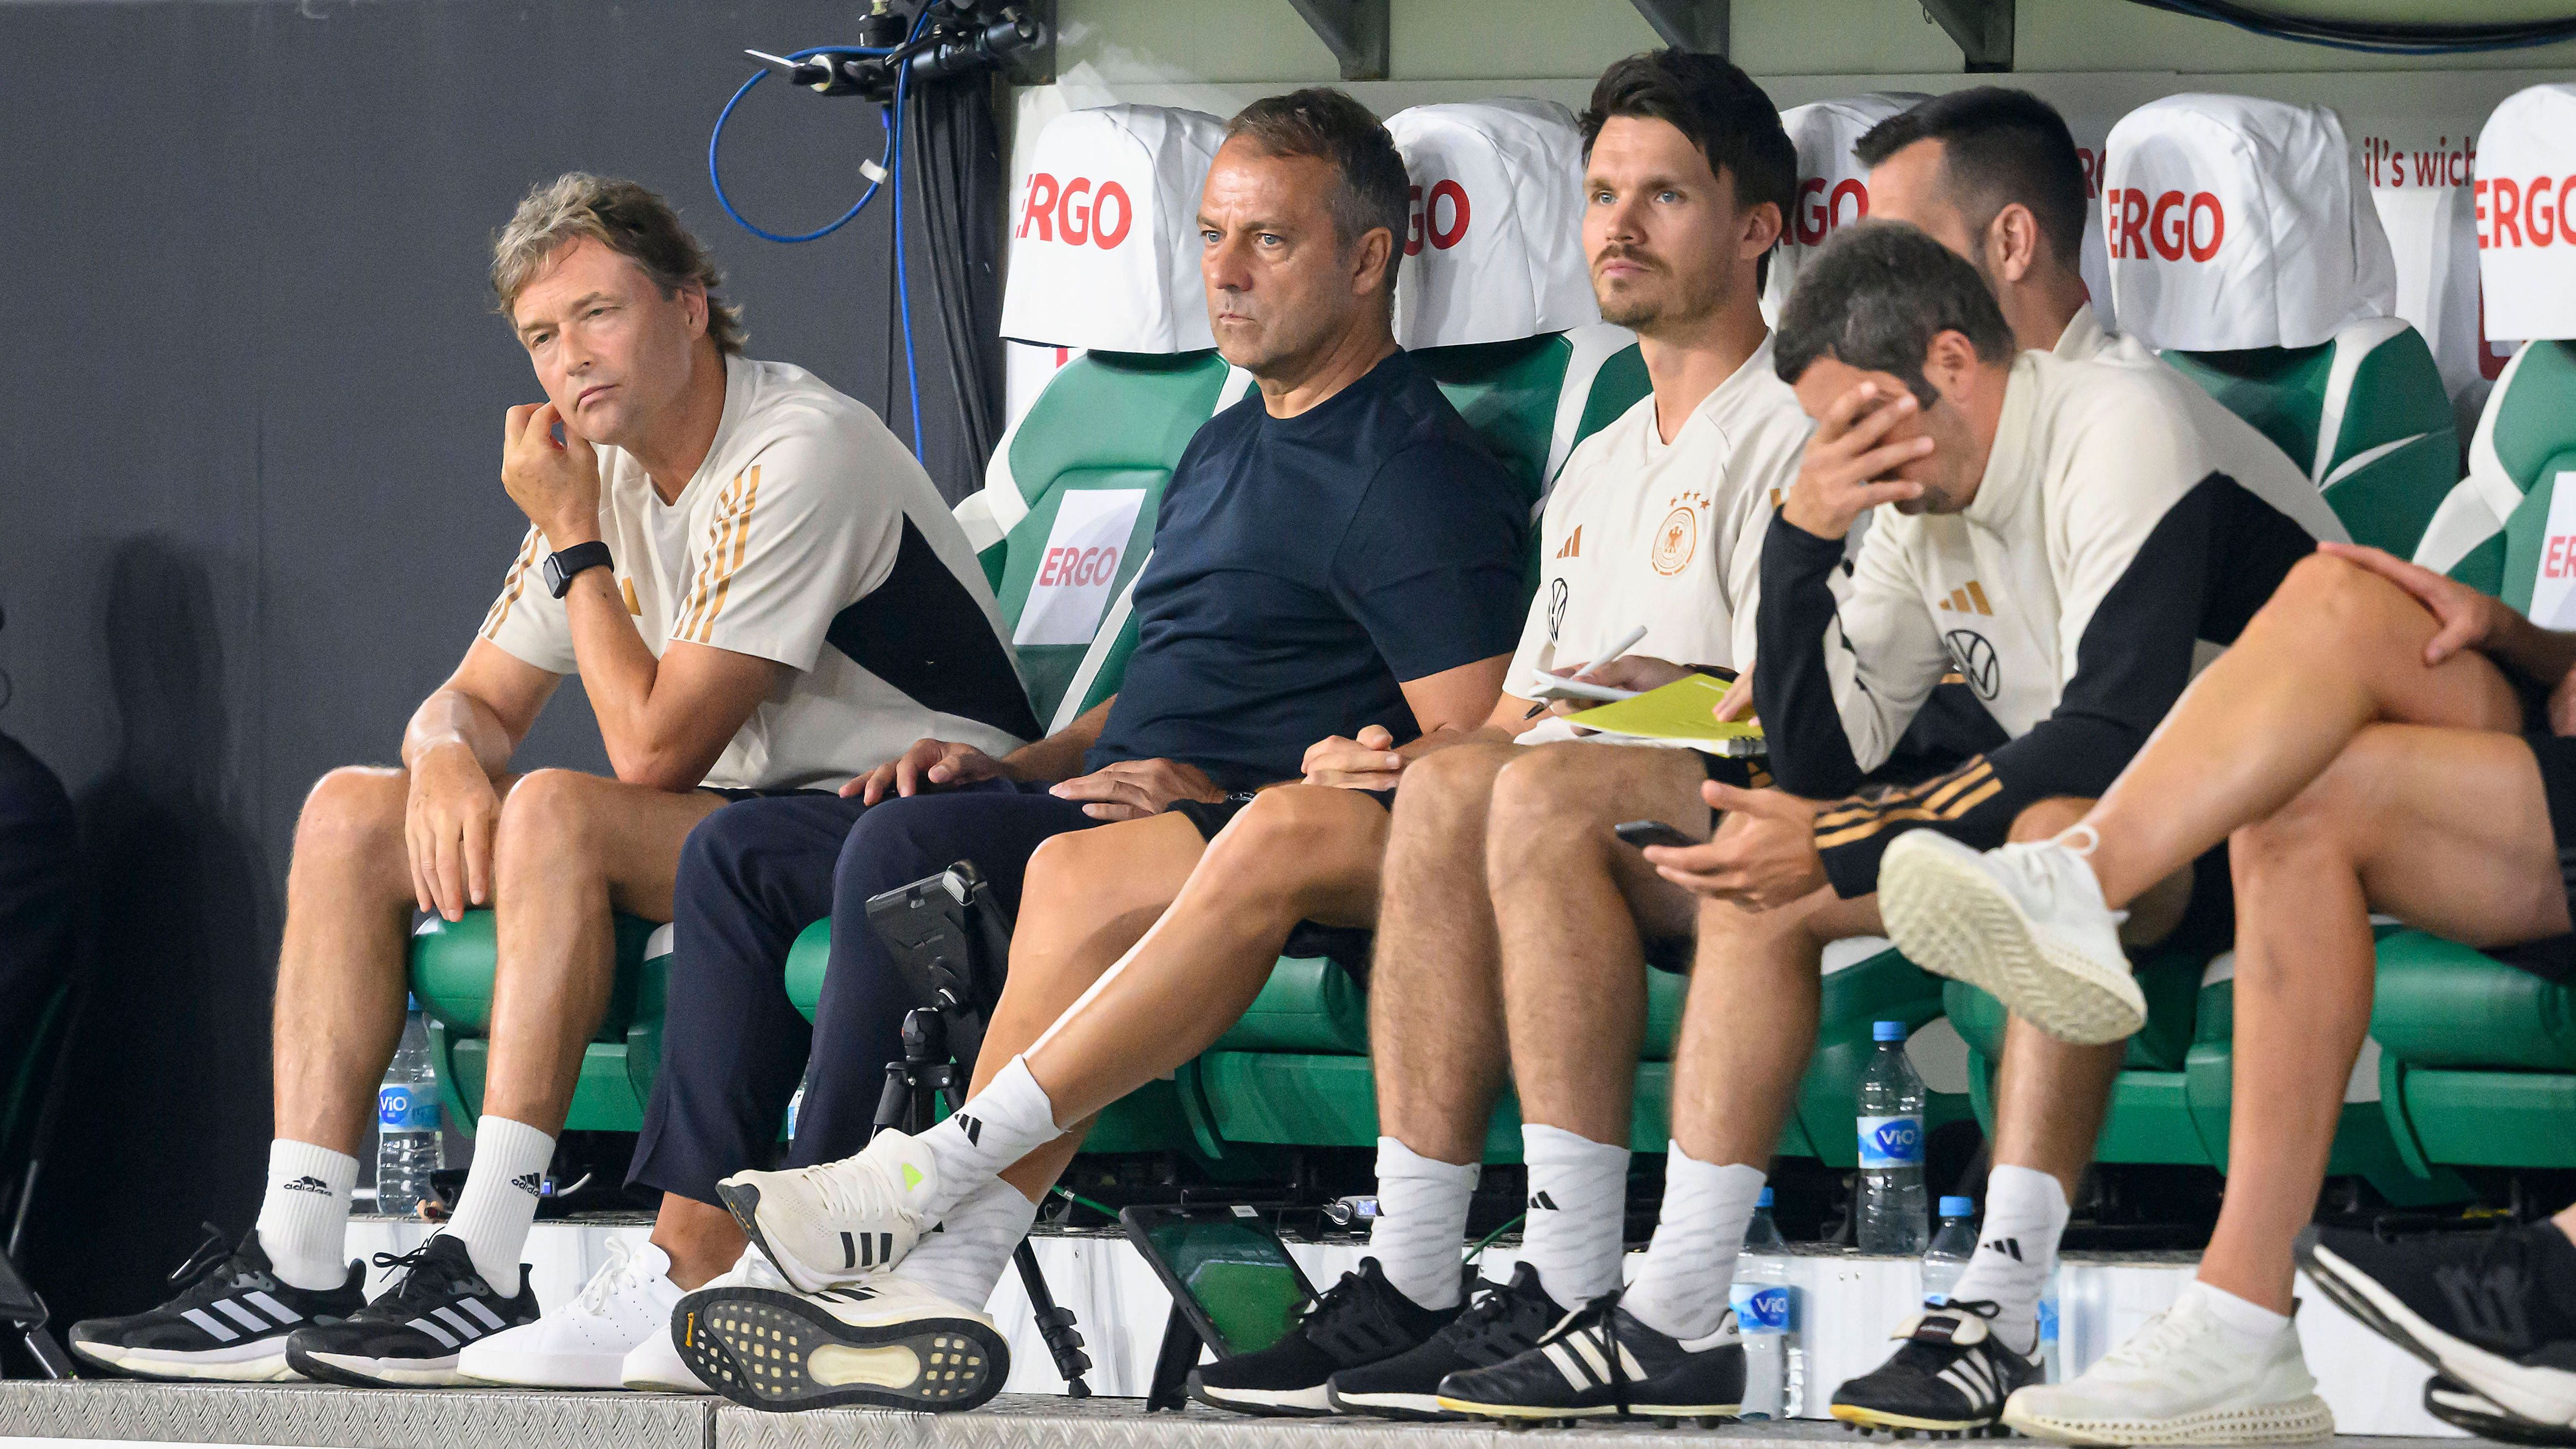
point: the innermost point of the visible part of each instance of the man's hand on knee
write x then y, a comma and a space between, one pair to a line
448, 822
928, 765
1134, 789
1762, 857
1368, 762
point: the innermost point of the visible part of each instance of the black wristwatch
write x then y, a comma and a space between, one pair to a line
561, 566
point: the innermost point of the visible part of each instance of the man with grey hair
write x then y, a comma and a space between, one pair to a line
762, 593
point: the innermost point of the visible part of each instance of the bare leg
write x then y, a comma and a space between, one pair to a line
341, 969
1573, 904
571, 847
2446, 829
1436, 1043
1750, 1022
2336, 649
700, 1239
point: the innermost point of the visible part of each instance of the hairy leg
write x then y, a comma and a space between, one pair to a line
1574, 904
1297, 852
1749, 1024
1436, 1042
571, 848
2448, 830
2337, 648
342, 967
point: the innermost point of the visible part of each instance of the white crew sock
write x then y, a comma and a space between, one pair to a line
304, 1218
964, 1260
500, 1198
1681, 1287
2250, 1327
1577, 1213
996, 1127
1421, 1222
2016, 1252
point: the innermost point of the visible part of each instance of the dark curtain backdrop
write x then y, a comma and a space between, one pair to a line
250, 403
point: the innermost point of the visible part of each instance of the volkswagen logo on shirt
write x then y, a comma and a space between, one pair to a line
1556, 592
1976, 660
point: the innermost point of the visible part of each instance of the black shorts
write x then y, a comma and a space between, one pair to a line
738, 794
1346, 946
2553, 958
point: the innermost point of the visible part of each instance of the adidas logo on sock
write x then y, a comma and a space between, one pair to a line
973, 1128
307, 1184
2011, 1246
533, 1184
1541, 1202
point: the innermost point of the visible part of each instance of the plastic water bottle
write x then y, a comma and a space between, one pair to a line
1892, 1219
407, 1117
795, 1109
1951, 1248
2048, 1333
1766, 1312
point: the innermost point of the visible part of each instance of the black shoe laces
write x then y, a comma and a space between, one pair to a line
424, 1279
1593, 1318
212, 1268
1498, 1323
1349, 1322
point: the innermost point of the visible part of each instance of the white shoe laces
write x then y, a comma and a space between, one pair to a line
612, 1276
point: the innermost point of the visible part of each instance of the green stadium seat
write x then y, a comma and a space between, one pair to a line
452, 966
2244, 247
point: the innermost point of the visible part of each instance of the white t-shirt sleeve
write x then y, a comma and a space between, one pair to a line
794, 538
526, 621
2132, 458
1896, 655
1773, 460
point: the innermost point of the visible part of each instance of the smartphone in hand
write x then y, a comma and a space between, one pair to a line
1642, 833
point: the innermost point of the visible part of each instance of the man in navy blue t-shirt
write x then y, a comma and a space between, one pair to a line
1336, 557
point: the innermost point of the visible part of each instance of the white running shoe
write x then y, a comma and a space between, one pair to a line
584, 1343
2024, 923
889, 1343
843, 1221
655, 1365
2181, 1379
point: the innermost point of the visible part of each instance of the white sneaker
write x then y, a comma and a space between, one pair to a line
2181, 1379
584, 1343
655, 1365
840, 1222
887, 1344
2025, 923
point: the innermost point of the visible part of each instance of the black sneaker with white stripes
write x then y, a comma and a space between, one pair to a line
1949, 1377
1602, 1361
1362, 1319
229, 1319
1502, 1319
410, 1336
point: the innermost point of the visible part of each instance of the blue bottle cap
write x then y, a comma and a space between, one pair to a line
1762, 1199
410, 1002
1958, 1207
1887, 1031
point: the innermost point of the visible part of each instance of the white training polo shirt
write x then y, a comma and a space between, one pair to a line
1639, 531
811, 537
2232, 445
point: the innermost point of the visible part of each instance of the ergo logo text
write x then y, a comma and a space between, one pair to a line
2169, 225
2528, 212
1074, 567
1819, 211
1424, 222
1074, 209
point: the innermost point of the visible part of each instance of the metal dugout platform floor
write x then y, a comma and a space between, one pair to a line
530, 1419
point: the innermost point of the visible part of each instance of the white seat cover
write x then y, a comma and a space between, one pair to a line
1105, 241
1493, 251
1833, 187
2525, 183
2236, 222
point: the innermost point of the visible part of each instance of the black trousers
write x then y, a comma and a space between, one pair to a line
752, 876
37, 854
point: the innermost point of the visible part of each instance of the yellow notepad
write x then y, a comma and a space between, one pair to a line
1680, 712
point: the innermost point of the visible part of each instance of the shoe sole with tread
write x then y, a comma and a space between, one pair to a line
2537, 1395
764, 1349
1950, 918
1313, 1403
2462, 1407
267, 1368
2303, 1420
359, 1372
1867, 1420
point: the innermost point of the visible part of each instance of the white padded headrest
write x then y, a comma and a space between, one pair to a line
1105, 239
1494, 248
2236, 222
1833, 187
2526, 181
